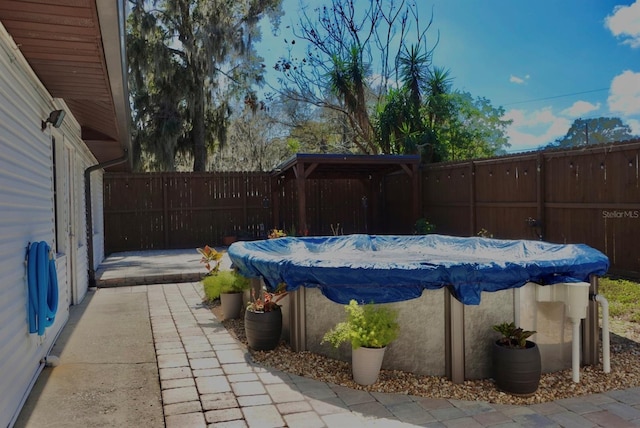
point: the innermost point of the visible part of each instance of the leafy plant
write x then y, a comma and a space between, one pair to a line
211, 259
267, 301
276, 233
484, 233
367, 325
224, 281
423, 227
337, 230
512, 336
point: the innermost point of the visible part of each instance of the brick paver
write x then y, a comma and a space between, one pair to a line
207, 380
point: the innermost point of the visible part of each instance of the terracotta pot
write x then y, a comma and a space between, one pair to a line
228, 240
231, 304
517, 371
366, 364
263, 329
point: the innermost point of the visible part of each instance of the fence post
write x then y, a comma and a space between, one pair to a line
591, 327
245, 208
302, 198
275, 203
165, 210
472, 198
541, 179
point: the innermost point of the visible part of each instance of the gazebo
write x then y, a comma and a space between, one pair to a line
290, 183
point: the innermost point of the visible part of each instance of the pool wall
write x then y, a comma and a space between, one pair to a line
495, 308
422, 331
431, 340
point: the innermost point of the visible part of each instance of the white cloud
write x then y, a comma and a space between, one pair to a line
530, 130
634, 125
624, 94
518, 80
625, 23
580, 108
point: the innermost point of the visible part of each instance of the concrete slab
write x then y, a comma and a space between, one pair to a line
107, 375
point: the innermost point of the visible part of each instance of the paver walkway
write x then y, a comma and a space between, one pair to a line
207, 379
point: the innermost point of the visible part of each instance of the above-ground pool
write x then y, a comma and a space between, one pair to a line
386, 269
448, 292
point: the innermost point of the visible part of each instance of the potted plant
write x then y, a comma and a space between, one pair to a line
516, 360
276, 233
263, 319
369, 329
211, 259
229, 285
423, 227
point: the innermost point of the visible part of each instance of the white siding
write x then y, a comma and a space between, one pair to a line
97, 206
84, 160
27, 215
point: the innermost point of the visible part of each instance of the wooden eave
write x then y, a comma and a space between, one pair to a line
76, 48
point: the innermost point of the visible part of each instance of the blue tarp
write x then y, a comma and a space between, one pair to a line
384, 269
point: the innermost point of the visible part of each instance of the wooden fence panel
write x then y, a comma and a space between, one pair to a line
589, 196
506, 197
184, 210
137, 201
446, 198
328, 203
396, 205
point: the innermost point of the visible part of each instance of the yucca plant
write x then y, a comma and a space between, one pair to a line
512, 336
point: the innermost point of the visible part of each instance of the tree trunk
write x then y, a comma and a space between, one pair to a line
198, 131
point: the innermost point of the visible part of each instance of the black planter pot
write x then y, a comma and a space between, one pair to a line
263, 329
517, 371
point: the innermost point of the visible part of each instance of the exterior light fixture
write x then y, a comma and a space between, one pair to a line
55, 118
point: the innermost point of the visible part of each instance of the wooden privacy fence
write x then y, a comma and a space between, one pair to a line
182, 210
590, 196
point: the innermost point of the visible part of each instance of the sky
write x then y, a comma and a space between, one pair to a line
546, 62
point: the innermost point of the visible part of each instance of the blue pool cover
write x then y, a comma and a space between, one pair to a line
384, 269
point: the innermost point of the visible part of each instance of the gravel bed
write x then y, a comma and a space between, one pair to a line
625, 372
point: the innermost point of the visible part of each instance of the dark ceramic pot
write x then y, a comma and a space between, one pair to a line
263, 329
517, 371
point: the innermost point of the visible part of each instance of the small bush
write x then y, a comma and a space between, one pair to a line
623, 296
366, 325
423, 227
224, 281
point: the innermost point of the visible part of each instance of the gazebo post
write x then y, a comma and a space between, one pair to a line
275, 204
302, 198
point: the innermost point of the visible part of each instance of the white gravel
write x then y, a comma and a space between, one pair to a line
625, 372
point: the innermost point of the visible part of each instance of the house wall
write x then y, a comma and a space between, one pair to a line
30, 211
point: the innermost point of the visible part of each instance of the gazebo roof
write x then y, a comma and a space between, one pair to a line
317, 166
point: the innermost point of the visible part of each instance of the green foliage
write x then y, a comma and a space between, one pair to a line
598, 130
512, 336
623, 297
423, 227
367, 325
426, 116
188, 61
266, 301
470, 128
224, 281
338, 73
484, 233
211, 259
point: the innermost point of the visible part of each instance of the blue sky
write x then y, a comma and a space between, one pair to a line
547, 62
